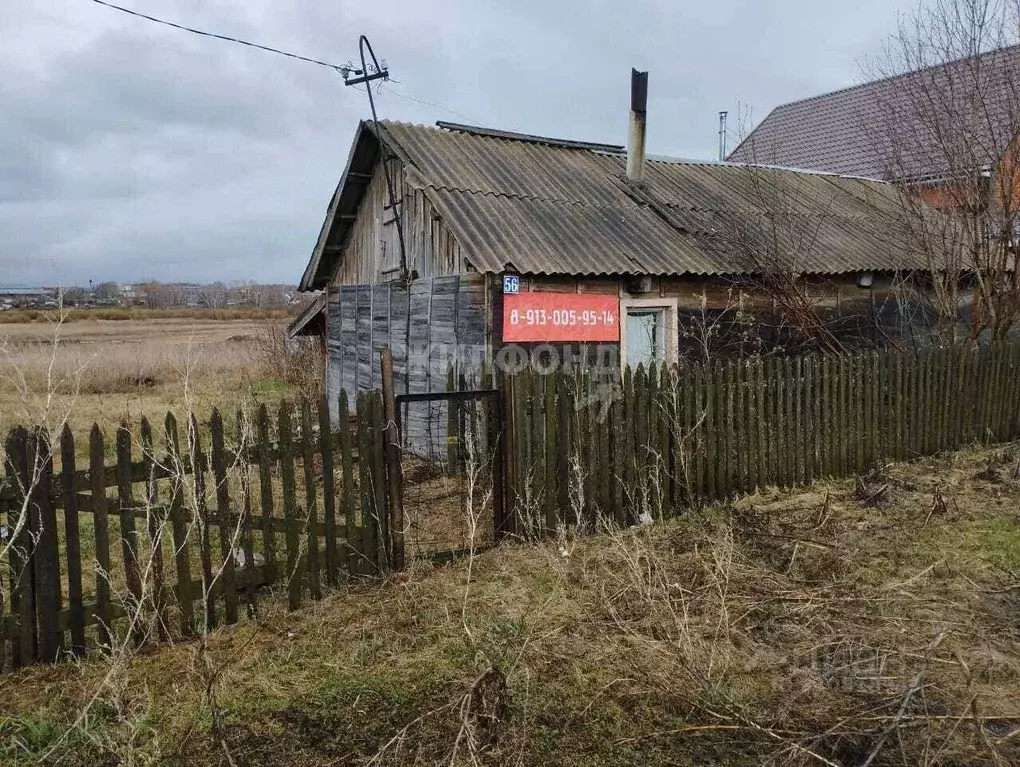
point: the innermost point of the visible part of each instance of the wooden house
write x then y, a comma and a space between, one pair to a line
499, 238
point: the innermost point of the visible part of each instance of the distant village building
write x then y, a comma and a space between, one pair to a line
11, 298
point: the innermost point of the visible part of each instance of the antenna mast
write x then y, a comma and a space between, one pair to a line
366, 75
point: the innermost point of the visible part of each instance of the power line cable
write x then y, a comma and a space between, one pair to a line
343, 69
404, 96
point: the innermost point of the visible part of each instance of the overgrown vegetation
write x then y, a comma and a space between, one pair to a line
298, 363
827, 625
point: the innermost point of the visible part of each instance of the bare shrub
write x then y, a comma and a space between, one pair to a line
298, 362
947, 133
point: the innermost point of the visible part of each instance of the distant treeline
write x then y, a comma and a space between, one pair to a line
141, 313
170, 295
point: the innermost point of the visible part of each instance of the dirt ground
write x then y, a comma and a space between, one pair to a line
845, 623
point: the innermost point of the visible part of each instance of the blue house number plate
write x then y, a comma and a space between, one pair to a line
511, 284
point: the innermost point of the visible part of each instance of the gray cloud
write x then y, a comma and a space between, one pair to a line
129, 150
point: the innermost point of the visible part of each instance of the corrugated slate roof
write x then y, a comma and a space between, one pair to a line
887, 128
540, 206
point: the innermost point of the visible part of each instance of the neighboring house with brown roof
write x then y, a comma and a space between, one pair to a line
552, 237
927, 129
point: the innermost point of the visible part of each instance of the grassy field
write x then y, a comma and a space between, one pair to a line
836, 624
106, 370
138, 314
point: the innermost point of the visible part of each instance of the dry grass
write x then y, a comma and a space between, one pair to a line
106, 371
794, 627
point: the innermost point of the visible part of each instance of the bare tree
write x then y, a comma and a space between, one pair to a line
947, 129
213, 296
106, 291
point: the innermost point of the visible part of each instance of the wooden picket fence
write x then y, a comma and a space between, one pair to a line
175, 548
585, 448
195, 527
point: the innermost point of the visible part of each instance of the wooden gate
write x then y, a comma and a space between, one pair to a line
452, 455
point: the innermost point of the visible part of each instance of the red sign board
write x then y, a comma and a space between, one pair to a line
560, 317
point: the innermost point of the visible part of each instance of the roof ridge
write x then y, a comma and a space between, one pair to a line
497, 133
442, 126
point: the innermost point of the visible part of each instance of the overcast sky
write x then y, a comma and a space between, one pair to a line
130, 150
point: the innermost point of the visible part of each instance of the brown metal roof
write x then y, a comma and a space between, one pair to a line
533, 205
887, 128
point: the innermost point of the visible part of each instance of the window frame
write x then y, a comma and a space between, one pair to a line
669, 307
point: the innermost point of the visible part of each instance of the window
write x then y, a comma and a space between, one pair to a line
649, 331
645, 336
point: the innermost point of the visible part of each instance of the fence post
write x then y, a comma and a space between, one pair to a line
46, 559
290, 508
247, 544
874, 393
375, 455
564, 406
266, 491
667, 414
550, 475
394, 475
20, 473
101, 528
518, 391
711, 429
454, 434
367, 544
347, 480
860, 400
311, 502
645, 394
816, 429
759, 390
742, 436
226, 536
501, 445
69, 486
1014, 401
698, 418
197, 457
128, 533
328, 489
799, 422
155, 527
179, 525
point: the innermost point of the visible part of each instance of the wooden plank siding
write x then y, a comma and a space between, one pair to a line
429, 326
371, 253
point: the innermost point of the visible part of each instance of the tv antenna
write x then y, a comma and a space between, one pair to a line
368, 73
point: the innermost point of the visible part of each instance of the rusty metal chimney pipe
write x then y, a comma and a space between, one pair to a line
636, 136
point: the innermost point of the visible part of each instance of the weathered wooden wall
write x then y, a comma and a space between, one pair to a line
742, 319
430, 325
371, 253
